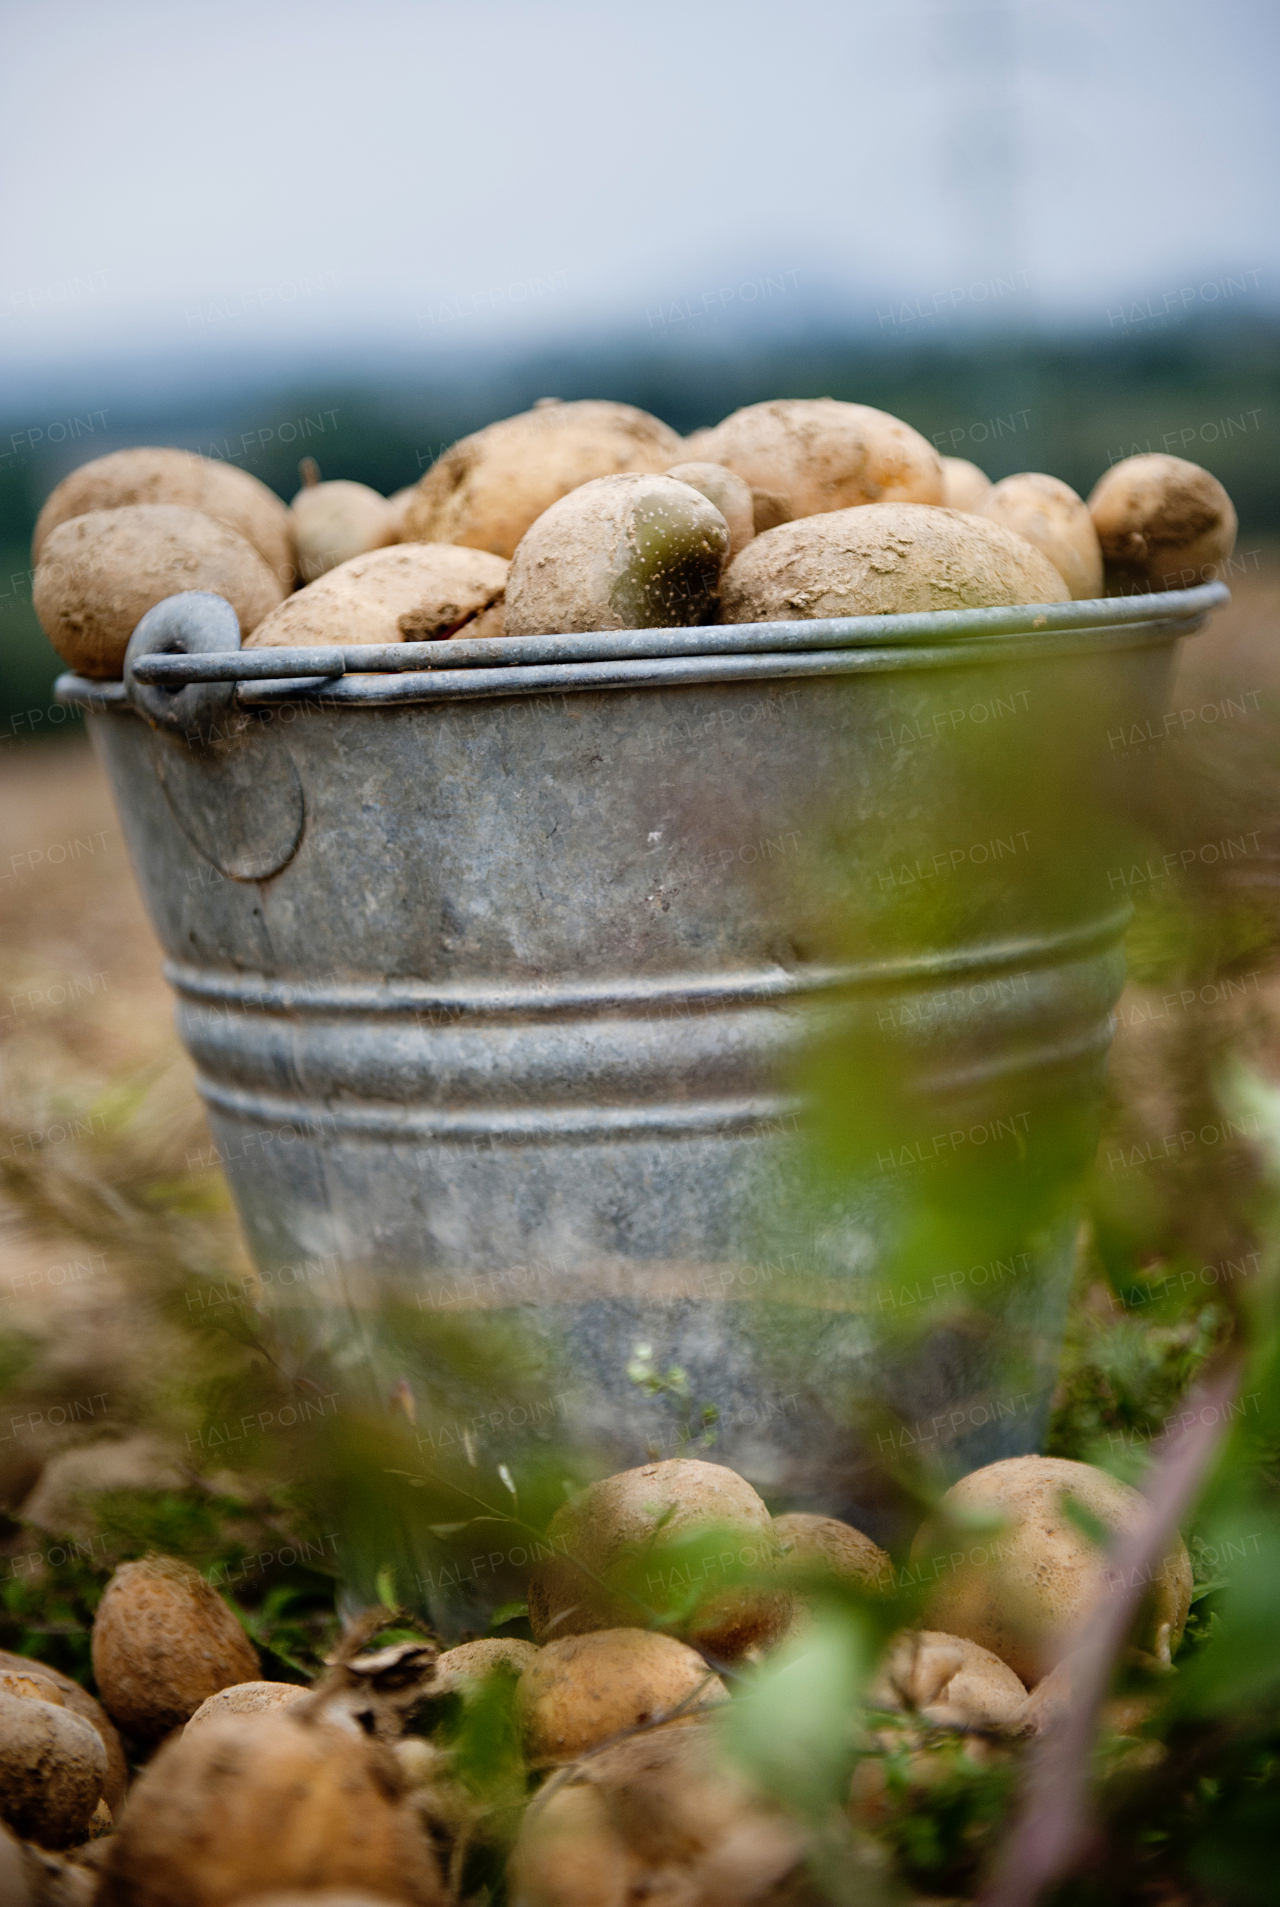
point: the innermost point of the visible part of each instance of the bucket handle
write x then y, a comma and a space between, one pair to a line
194, 623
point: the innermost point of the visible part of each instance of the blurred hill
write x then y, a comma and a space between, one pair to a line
1204, 389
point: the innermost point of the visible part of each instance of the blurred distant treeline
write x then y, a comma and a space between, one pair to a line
1205, 390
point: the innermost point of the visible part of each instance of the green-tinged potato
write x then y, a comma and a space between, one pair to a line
1163, 523
659, 1817
487, 489
467, 1665
1025, 1591
99, 574
818, 454
246, 1698
633, 552
730, 495
882, 560
412, 592
1050, 514
963, 485
163, 1641
251, 1803
585, 1689
53, 1686
53, 1768
651, 1543
948, 1681
332, 522
217, 490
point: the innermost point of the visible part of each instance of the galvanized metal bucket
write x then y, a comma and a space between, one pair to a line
495, 960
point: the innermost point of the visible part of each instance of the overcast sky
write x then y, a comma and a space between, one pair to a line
322, 179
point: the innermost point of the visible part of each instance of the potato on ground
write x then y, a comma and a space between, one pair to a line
51, 1685
99, 574
1163, 523
731, 496
948, 1681
487, 489
468, 1665
818, 454
633, 552
1024, 1592
659, 1541
217, 490
412, 592
881, 560
246, 1698
659, 1818
824, 1545
1050, 514
53, 1768
963, 485
584, 1689
332, 522
250, 1803
163, 1642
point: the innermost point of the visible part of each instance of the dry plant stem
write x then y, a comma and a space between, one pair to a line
1052, 1823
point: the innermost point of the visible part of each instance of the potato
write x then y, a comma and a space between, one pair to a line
730, 495
250, 1803
883, 559
1050, 515
414, 592
963, 485
634, 552
947, 1680
99, 574
53, 1768
487, 489
470, 1662
1163, 523
163, 1641
70, 1695
817, 454
627, 1549
1024, 1591
659, 1818
246, 1698
823, 1543
217, 490
586, 1688
332, 522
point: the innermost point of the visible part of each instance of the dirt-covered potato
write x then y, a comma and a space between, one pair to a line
731, 496
651, 1541
487, 489
963, 484
164, 1641
948, 1681
825, 1545
881, 560
633, 552
1163, 523
659, 1818
332, 522
470, 1662
99, 574
1050, 514
1024, 1591
248, 1803
53, 1683
246, 1698
817, 454
585, 1689
412, 592
217, 490
53, 1768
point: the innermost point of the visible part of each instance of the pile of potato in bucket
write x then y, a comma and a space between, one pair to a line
577, 517
661, 1599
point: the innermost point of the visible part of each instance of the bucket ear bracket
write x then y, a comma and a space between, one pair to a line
228, 779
